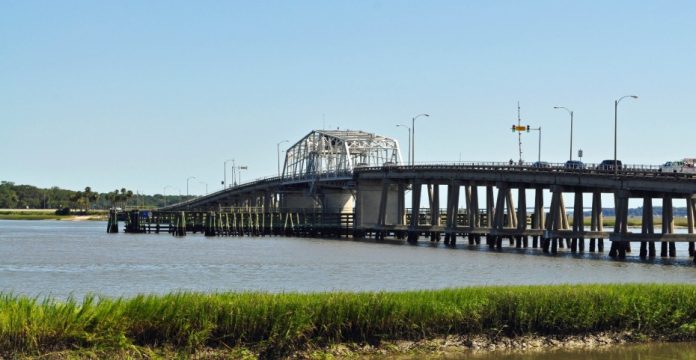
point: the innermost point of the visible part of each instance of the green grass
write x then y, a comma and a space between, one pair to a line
275, 324
33, 214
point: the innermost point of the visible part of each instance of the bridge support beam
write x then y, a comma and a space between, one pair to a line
521, 240
690, 222
413, 231
539, 219
578, 243
667, 248
474, 215
434, 196
647, 248
452, 213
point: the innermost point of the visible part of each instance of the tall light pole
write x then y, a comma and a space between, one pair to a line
571, 127
616, 110
187, 184
409, 141
413, 137
224, 168
278, 154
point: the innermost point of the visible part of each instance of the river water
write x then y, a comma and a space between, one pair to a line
653, 351
61, 258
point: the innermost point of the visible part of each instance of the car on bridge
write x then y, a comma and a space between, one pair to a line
574, 164
609, 165
541, 164
681, 166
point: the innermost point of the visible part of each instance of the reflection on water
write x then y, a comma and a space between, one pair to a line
662, 351
59, 258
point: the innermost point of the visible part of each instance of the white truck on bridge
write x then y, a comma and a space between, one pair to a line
688, 165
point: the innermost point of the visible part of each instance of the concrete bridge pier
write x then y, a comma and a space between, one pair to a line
434, 197
578, 242
539, 218
619, 248
401, 209
474, 215
452, 213
668, 248
498, 218
647, 248
521, 240
596, 221
413, 231
490, 214
690, 222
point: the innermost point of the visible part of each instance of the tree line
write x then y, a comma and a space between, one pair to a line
13, 196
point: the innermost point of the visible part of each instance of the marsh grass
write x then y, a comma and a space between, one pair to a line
279, 323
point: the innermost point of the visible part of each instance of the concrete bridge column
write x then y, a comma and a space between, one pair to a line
539, 220
499, 218
667, 226
690, 221
511, 213
401, 204
618, 248
647, 227
490, 206
597, 221
555, 222
413, 232
382, 216
578, 242
474, 216
521, 216
434, 195
452, 212
564, 223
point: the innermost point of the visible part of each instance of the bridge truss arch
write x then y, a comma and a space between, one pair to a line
326, 152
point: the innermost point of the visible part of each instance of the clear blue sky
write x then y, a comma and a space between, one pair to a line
143, 94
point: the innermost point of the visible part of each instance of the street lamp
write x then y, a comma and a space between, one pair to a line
278, 154
409, 141
187, 184
413, 137
616, 108
224, 168
571, 127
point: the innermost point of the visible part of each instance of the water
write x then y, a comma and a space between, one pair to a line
59, 259
652, 351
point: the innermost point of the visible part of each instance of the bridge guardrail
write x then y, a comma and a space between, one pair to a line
629, 170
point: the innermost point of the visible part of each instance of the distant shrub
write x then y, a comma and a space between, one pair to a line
63, 211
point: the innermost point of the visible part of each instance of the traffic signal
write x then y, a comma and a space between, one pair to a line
527, 128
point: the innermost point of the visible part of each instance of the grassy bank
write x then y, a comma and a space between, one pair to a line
34, 214
634, 221
276, 324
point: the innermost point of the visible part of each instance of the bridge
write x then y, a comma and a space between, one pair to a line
355, 184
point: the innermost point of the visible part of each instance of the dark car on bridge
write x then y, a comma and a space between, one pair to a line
541, 164
574, 164
609, 165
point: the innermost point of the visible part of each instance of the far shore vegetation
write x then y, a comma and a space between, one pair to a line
59, 203
277, 325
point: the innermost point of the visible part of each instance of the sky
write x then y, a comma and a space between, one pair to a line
145, 94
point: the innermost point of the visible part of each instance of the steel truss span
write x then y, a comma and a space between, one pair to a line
339, 152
